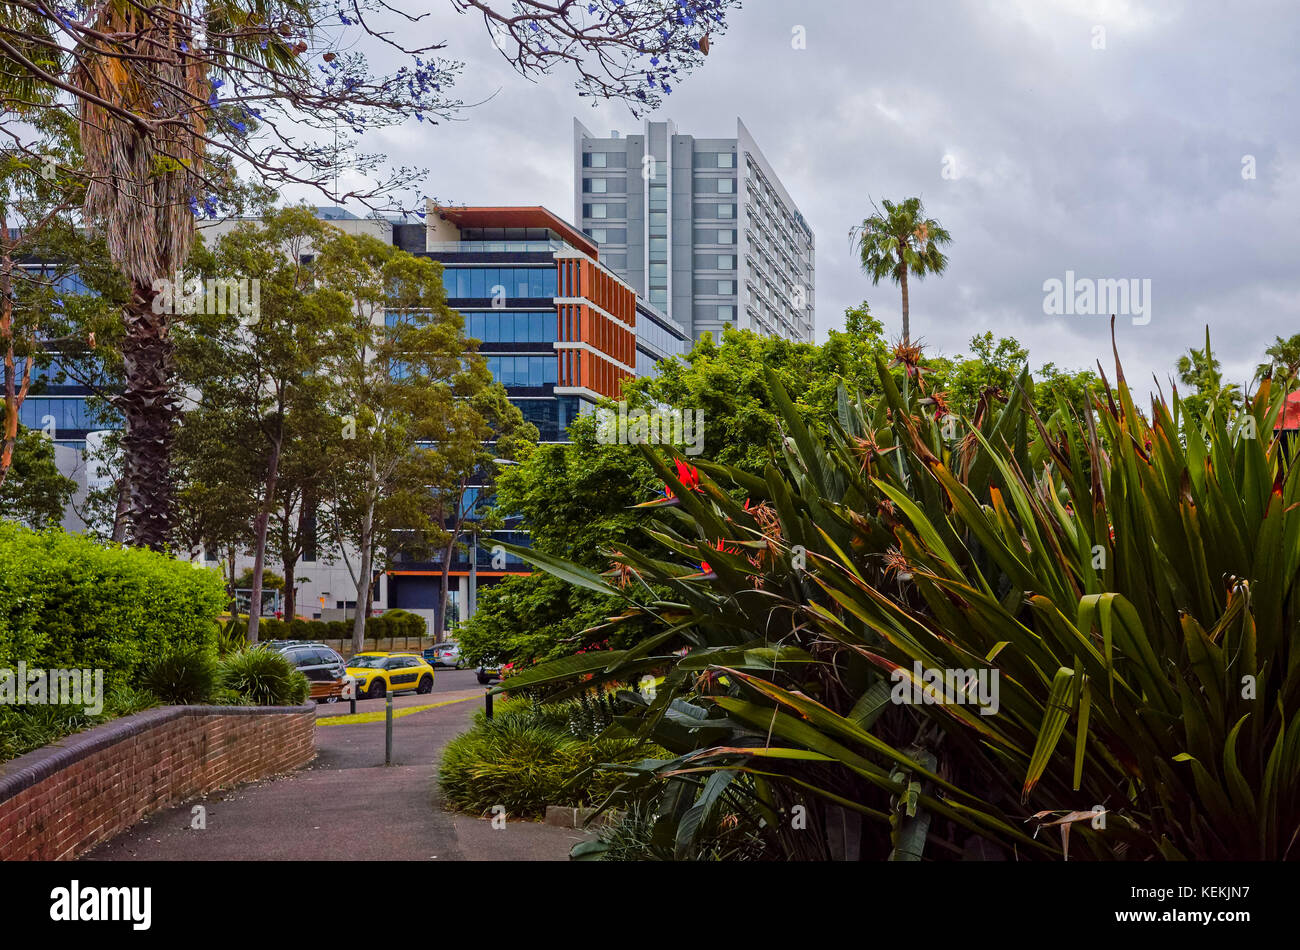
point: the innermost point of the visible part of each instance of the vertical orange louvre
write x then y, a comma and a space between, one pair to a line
580, 323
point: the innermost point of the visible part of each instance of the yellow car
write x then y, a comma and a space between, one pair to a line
378, 673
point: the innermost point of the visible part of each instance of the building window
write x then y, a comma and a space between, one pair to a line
726, 186
595, 186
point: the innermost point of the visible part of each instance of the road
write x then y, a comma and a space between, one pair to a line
347, 804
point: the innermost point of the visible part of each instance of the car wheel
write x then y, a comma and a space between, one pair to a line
460, 665
426, 685
483, 679
331, 699
376, 690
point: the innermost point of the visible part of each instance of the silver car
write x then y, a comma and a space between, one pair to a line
444, 654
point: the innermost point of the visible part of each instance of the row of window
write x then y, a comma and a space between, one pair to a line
715, 159
510, 326
707, 311
511, 282
607, 209
603, 186
607, 235
524, 370
715, 261
715, 186
652, 334
711, 236
69, 413
551, 416
715, 210
604, 160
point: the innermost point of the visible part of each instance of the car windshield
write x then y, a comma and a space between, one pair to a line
374, 662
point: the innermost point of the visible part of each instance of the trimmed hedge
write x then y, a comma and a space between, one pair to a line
68, 602
391, 623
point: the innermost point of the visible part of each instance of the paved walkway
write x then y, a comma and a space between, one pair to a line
347, 804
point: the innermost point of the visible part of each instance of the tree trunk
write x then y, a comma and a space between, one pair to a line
15, 383
907, 328
363, 578
290, 566
260, 525
149, 409
440, 615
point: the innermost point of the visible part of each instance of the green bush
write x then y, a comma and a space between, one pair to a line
403, 623
68, 602
525, 759
182, 677
263, 678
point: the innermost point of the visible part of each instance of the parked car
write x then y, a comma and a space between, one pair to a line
444, 654
323, 667
378, 673
489, 671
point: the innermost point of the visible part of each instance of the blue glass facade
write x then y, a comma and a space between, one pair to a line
482, 283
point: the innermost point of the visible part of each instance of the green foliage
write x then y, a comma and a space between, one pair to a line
24, 729
1201, 371
1133, 585
66, 601
1283, 358
232, 636
33, 492
525, 759
263, 678
270, 580
181, 677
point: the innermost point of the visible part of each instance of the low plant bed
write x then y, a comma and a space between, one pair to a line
533, 755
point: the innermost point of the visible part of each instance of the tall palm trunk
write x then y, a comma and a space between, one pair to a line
149, 408
141, 179
902, 279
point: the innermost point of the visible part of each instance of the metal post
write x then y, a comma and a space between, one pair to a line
388, 730
487, 700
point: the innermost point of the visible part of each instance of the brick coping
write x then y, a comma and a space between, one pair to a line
26, 770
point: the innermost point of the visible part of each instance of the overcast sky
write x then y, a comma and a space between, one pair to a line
1121, 162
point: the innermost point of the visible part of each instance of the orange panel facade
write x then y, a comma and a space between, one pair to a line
580, 323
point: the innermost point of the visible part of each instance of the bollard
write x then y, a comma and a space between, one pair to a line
388, 730
487, 700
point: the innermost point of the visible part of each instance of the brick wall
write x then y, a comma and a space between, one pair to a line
67, 797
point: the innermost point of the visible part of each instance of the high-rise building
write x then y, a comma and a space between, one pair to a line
701, 228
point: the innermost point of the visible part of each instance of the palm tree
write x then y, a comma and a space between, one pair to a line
142, 180
900, 240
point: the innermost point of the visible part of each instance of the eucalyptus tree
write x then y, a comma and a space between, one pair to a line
259, 364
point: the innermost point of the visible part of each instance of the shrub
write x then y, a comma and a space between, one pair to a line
182, 677
271, 628
263, 678
525, 759
403, 623
69, 602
